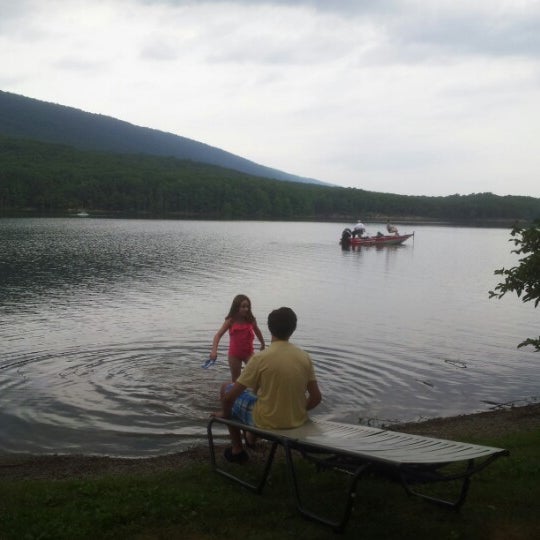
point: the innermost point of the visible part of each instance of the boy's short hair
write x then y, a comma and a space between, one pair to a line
282, 322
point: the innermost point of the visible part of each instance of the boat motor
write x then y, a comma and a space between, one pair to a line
346, 236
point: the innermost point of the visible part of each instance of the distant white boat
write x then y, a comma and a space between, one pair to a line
82, 214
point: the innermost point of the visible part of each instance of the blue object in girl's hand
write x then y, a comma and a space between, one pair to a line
208, 363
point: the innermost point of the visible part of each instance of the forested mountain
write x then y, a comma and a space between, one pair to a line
48, 177
41, 121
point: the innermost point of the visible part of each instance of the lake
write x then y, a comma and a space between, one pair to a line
105, 323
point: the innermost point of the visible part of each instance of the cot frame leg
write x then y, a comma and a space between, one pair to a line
255, 487
410, 475
337, 525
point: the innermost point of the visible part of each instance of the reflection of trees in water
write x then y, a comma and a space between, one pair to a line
50, 257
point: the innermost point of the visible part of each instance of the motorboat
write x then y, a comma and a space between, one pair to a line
396, 239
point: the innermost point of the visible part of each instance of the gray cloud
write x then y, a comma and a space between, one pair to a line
12, 13
419, 29
156, 49
476, 33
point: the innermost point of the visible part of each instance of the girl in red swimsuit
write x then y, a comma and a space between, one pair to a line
242, 327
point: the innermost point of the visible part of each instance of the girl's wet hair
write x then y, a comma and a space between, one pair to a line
235, 307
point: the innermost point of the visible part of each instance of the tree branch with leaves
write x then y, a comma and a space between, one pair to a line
523, 279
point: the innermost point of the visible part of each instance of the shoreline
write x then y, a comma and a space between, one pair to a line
483, 425
487, 424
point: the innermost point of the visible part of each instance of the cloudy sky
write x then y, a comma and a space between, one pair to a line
404, 96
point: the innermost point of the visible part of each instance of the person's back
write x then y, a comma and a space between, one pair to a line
358, 229
279, 377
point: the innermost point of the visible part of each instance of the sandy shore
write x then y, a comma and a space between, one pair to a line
484, 425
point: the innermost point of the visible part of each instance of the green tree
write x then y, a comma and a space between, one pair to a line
523, 279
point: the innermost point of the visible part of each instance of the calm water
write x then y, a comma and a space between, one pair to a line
104, 325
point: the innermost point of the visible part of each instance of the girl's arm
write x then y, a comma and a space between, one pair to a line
258, 333
215, 342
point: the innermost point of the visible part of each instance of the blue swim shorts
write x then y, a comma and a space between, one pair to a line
242, 409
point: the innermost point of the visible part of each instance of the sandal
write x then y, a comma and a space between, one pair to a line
241, 457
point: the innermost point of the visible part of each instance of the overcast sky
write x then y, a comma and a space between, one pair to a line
413, 97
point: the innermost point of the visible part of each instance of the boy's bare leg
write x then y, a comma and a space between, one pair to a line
236, 439
234, 433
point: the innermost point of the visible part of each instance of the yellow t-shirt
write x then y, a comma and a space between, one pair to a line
279, 376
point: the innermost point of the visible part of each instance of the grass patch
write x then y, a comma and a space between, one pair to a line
196, 504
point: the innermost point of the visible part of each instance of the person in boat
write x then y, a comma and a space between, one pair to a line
276, 389
242, 327
392, 229
358, 229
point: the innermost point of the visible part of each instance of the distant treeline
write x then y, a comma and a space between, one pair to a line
51, 178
